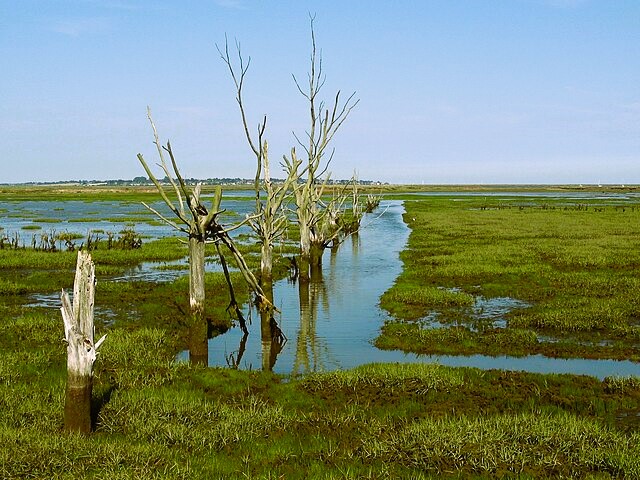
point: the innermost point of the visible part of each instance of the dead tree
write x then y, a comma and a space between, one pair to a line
81, 351
201, 225
372, 202
317, 224
350, 218
269, 222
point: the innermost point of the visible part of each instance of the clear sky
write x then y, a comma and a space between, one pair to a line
451, 91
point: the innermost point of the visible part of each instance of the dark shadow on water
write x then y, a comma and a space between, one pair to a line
272, 338
273, 341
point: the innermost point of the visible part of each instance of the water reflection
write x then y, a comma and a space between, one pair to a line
331, 321
82, 217
272, 341
199, 342
310, 348
234, 359
538, 364
272, 338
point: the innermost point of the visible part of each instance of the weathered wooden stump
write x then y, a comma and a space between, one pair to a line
81, 350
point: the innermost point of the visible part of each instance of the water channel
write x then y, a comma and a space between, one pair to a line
337, 327
333, 323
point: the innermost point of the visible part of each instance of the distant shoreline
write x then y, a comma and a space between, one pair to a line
135, 193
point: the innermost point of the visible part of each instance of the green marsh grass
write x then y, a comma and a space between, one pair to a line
418, 300
457, 340
47, 220
556, 445
622, 384
155, 418
69, 236
126, 363
9, 287
171, 267
158, 250
82, 220
419, 378
576, 265
27, 271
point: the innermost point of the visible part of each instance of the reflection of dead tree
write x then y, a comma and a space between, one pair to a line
317, 224
273, 341
308, 356
306, 332
269, 222
201, 225
234, 358
272, 338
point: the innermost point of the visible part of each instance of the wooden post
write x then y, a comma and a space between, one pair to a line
81, 351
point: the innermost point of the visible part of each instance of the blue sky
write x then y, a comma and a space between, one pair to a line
451, 91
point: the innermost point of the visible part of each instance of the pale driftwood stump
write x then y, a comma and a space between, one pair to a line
81, 350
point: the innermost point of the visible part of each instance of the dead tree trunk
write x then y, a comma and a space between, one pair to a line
196, 276
81, 351
315, 257
270, 220
201, 225
305, 246
198, 339
316, 229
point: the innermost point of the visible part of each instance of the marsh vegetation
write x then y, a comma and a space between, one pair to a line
568, 271
160, 419
572, 265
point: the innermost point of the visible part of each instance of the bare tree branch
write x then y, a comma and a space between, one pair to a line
165, 219
163, 164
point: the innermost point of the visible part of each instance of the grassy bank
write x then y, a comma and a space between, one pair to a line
155, 418
24, 271
572, 267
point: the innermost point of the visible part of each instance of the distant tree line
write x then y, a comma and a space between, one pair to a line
189, 181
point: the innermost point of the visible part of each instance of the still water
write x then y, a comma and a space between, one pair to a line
333, 325
329, 326
83, 217
339, 317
